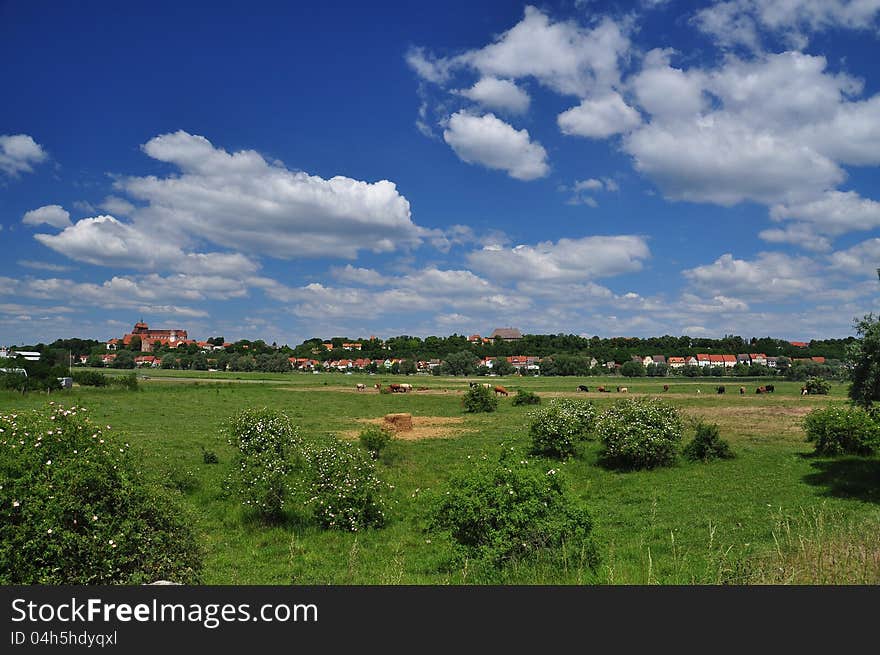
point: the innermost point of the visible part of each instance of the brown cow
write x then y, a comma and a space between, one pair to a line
500, 391
623, 389
665, 387
361, 387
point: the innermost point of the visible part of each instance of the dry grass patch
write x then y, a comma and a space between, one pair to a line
423, 427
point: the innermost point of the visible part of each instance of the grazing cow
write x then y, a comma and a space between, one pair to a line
742, 391
804, 391
721, 389
361, 387
487, 385
582, 387
665, 387
500, 391
623, 389
769, 388
761, 389
377, 386
473, 385
395, 388
405, 387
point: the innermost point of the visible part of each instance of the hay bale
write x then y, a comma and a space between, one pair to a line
399, 422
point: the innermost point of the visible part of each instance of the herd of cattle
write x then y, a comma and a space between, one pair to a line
501, 391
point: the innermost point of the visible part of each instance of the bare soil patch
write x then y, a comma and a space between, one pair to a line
423, 427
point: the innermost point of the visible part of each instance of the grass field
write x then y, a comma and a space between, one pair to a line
773, 514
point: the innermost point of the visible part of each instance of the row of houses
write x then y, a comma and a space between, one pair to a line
726, 361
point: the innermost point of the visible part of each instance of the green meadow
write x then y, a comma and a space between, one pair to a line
774, 514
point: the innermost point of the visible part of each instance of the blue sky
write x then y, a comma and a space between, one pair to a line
282, 171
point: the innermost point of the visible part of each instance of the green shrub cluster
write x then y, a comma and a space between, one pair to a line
640, 433
507, 509
556, 428
524, 397
374, 438
707, 444
839, 430
344, 491
75, 510
267, 450
127, 381
817, 386
90, 378
479, 399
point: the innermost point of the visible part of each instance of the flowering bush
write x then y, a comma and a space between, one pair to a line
507, 509
640, 433
374, 438
838, 430
556, 427
707, 444
479, 399
268, 449
74, 509
344, 491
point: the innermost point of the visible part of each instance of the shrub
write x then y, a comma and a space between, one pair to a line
506, 510
479, 399
556, 428
90, 378
374, 438
267, 445
524, 397
75, 510
344, 491
838, 430
817, 386
707, 444
209, 456
640, 433
128, 381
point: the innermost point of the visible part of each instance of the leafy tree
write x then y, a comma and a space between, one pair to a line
124, 359
461, 363
135, 344
502, 367
633, 369
408, 366
864, 357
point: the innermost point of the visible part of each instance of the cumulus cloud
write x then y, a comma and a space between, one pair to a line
570, 260
770, 276
105, 241
239, 200
490, 142
742, 22
834, 213
599, 118
501, 95
860, 260
117, 206
54, 215
19, 153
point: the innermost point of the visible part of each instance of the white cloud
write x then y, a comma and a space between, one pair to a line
19, 153
835, 213
564, 56
501, 95
489, 141
724, 160
43, 266
770, 277
666, 92
599, 118
591, 184
54, 215
105, 241
241, 201
798, 234
740, 22
569, 260
860, 260
117, 206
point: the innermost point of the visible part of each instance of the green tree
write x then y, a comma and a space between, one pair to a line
502, 367
461, 363
135, 344
408, 366
864, 357
633, 369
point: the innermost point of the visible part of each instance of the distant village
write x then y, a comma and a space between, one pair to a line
145, 347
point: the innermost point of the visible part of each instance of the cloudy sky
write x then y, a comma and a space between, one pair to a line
284, 171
